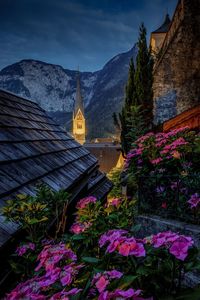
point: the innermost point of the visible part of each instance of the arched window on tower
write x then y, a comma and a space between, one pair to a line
79, 125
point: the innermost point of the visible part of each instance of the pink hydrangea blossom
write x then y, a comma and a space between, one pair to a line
102, 280
79, 227
85, 201
68, 273
63, 295
21, 250
131, 247
178, 245
117, 240
50, 256
156, 161
130, 293
101, 284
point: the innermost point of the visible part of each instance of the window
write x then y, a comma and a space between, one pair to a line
79, 125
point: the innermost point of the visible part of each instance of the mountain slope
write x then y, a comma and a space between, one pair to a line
54, 88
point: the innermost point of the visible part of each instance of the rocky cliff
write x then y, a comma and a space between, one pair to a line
54, 88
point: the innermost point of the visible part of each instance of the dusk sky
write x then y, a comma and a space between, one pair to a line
71, 33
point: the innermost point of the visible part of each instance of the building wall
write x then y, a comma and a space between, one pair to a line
108, 155
177, 74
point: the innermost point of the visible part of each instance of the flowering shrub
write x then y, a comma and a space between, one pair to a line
131, 268
167, 168
117, 240
167, 152
100, 283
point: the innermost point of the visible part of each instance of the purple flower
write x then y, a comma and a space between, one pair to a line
63, 294
178, 245
21, 250
50, 256
194, 201
85, 201
160, 189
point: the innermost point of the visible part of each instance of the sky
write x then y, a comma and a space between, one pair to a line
72, 33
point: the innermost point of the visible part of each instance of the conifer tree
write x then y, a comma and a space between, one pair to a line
130, 92
121, 123
136, 116
144, 78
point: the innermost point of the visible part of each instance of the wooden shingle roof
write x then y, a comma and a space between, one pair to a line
35, 150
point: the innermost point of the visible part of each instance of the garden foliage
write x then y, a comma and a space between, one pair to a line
103, 259
166, 167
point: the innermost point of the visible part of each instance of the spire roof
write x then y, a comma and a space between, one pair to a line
165, 26
79, 100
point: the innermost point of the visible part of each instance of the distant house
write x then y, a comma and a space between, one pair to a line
34, 149
108, 155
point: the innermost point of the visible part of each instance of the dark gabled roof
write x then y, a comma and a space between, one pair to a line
165, 26
34, 149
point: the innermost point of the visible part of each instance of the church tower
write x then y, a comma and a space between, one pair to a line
79, 129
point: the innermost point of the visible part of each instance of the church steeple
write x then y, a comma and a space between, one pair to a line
79, 100
79, 129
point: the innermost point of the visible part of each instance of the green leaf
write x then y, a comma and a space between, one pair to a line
136, 228
190, 294
92, 260
126, 281
77, 237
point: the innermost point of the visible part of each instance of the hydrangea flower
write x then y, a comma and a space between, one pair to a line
194, 201
178, 245
102, 280
117, 240
78, 227
85, 201
52, 254
63, 295
21, 250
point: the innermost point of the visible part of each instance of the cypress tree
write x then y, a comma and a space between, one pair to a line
136, 116
122, 122
130, 92
143, 78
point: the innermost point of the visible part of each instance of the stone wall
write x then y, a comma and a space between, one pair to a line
153, 224
177, 73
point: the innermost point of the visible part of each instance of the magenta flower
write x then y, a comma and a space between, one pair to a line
50, 277
130, 293
111, 236
21, 250
156, 161
101, 284
85, 201
63, 294
50, 256
117, 240
183, 242
131, 247
101, 281
178, 245
194, 201
68, 273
